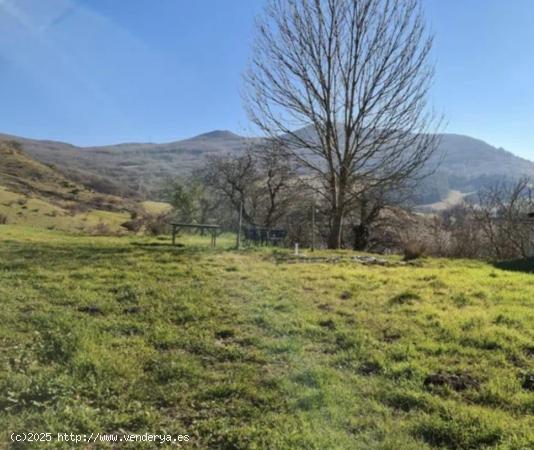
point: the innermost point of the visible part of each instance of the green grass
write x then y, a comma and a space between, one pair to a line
248, 350
37, 195
36, 212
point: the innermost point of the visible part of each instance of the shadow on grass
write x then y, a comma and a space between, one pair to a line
157, 244
21, 255
516, 265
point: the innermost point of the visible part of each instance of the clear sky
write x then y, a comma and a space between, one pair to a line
97, 72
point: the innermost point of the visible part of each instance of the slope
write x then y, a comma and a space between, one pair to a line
32, 193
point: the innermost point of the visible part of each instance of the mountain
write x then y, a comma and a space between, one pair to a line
466, 165
141, 169
133, 168
467, 156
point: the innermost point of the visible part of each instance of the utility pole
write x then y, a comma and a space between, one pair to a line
238, 243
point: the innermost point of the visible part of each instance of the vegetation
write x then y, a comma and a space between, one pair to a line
37, 195
32, 193
29, 210
259, 349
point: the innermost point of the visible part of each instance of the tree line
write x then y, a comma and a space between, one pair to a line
494, 223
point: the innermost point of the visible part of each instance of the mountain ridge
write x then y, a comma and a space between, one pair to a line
213, 134
141, 169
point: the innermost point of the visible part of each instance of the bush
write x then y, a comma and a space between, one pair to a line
153, 225
156, 224
413, 250
77, 208
103, 229
103, 203
102, 185
133, 225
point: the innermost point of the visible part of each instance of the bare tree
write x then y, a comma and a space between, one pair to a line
277, 184
260, 179
234, 178
502, 213
355, 73
373, 209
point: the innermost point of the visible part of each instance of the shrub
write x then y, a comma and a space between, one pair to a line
156, 224
133, 225
77, 208
413, 250
104, 203
153, 225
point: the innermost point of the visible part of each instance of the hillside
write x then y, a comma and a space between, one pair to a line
257, 350
466, 156
467, 164
131, 169
32, 193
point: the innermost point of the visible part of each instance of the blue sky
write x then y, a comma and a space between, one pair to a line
96, 72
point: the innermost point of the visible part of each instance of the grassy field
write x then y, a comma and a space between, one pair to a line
36, 195
36, 212
252, 349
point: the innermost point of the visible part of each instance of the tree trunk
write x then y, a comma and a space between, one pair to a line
361, 237
361, 231
337, 198
336, 229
